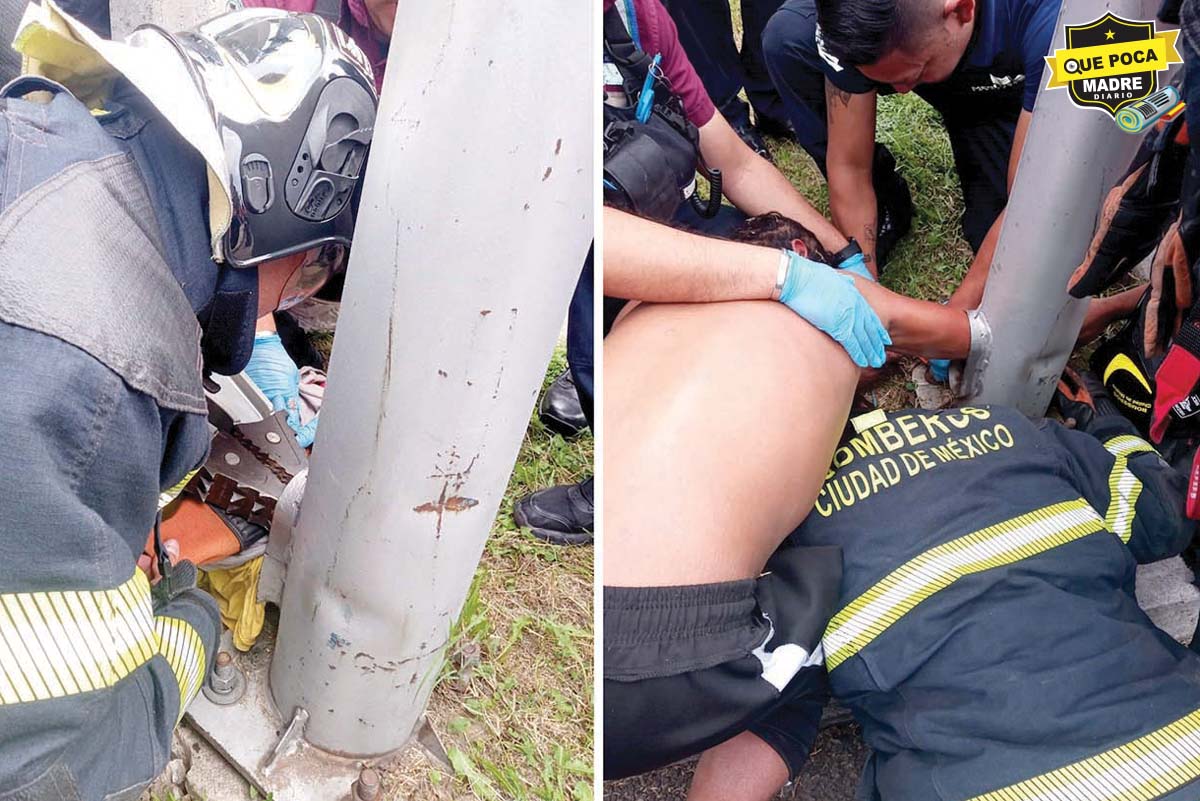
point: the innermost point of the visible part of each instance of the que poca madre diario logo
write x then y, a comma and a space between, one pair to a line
1111, 63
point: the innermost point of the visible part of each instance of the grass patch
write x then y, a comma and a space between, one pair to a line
513, 705
932, 260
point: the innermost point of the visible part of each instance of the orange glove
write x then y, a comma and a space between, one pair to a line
1136, 211
1170, 293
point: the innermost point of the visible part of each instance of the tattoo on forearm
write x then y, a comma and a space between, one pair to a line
836, 97
869, 238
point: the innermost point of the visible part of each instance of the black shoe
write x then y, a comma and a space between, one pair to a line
561, 515
895, 207
773, 127
561, 411
753, 139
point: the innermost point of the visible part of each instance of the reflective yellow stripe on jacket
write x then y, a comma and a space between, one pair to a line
1123, 486
57, 644
1141, 770
184, 651
870, 614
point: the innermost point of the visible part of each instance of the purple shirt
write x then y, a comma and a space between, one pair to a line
658, 34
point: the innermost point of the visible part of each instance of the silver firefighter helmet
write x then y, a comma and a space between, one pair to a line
293, 99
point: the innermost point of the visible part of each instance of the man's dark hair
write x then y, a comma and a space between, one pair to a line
773, 230
860, 32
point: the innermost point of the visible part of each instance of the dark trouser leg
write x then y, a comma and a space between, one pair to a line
706, 33
563, 514
580, 340
794, 66
981, 153
764, 98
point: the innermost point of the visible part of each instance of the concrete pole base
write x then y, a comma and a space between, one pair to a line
262, 746
252, 744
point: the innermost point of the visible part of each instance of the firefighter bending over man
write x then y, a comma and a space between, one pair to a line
155, 203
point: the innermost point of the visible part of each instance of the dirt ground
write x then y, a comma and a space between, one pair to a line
831, 774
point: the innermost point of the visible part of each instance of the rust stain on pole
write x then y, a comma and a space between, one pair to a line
456, 503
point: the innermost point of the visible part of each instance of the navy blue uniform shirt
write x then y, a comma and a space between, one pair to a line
1008, 47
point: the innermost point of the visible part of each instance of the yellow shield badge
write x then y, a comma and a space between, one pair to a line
1111, 62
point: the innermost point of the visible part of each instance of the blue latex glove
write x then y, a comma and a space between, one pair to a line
858, 265
940, 370
828, 299
273, 371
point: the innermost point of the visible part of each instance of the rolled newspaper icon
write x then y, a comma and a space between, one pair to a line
1142, 114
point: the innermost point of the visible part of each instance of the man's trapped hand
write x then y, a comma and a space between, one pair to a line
273, 371
828, 299
149, 565
940, 370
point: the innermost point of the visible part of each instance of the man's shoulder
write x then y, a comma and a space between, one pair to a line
656, 29
100, 282
840, 74
64, 121
1014, 29
1032, 23
659, 36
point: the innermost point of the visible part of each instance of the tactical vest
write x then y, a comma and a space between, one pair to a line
649, 167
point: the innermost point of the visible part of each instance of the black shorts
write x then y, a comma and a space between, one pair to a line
686, 668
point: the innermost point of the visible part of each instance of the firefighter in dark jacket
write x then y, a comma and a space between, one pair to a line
150, 211
986, 635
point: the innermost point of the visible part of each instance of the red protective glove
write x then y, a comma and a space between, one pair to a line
1177, 377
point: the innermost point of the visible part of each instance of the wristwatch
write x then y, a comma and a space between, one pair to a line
850, 251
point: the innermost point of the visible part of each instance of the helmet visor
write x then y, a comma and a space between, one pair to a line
275, 61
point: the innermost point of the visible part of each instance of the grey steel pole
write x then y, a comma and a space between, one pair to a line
475, 220
1072, 157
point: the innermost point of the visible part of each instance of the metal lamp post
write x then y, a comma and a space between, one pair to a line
475, 216
1072, 157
